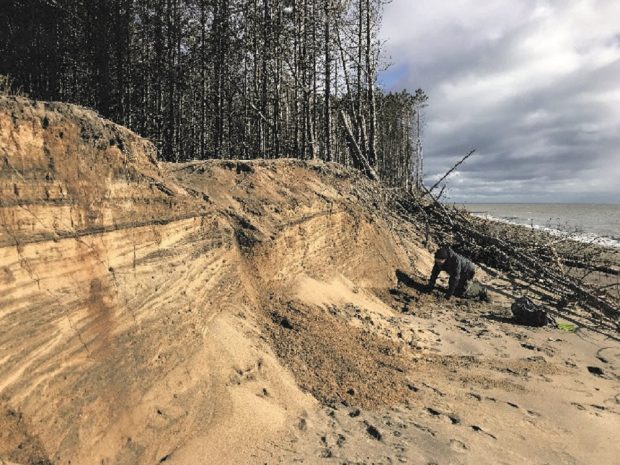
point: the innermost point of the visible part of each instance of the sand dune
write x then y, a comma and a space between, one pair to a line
256, 312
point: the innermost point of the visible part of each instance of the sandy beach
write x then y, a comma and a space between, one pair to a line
263, 312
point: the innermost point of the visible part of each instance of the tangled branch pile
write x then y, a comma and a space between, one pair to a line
559, 268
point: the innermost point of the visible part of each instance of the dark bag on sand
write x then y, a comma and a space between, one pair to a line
525, 312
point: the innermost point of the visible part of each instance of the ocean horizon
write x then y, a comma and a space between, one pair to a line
587, 222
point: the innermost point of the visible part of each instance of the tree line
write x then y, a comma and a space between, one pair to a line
223, 78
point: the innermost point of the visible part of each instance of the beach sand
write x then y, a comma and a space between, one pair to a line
265, 312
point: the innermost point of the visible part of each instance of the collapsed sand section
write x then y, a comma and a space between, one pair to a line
305, 239
134, 295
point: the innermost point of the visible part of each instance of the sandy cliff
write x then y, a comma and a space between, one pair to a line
255, 312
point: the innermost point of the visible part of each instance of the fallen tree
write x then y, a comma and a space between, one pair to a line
535, 263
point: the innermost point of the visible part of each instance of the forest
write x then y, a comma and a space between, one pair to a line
230, 79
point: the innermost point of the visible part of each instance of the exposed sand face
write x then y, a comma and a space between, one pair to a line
252, 313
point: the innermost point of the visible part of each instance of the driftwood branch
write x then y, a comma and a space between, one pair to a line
452, 169
523, 257
443, 189
441, 207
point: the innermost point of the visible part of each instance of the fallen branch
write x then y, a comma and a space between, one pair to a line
521, 257
443, 189
452, 169
441, 207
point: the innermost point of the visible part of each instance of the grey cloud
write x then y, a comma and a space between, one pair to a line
557, 136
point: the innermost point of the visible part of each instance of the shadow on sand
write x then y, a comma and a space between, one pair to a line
404, 278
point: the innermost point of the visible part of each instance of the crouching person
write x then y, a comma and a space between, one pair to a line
460, 269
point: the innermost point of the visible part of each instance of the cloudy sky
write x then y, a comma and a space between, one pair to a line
533, 85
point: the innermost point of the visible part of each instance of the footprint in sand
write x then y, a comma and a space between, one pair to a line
596, 371
592, 408
374, 432
355, 413
400, 448
478, 429
608, 355
598, 407
454, 419
434, 389
458, 446
425, 429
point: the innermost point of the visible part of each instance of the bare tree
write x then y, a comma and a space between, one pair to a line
221, 78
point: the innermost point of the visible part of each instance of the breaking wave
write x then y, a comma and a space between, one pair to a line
579, 236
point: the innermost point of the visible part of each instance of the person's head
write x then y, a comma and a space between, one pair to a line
441, 255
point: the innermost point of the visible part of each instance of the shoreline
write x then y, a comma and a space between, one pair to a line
577, 236
582, 260
585, 222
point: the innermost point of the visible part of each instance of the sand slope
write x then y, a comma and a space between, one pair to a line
255, 312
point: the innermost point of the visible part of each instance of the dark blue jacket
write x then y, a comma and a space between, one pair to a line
458, 267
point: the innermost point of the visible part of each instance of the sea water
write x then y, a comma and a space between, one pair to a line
597, 223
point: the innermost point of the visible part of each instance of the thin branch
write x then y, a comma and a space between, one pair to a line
452, 169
